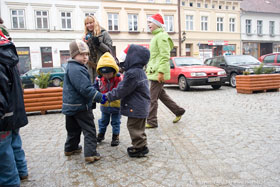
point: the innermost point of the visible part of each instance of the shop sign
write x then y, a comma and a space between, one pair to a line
217, 42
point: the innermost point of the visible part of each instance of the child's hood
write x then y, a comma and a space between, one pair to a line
137, 56
107, 60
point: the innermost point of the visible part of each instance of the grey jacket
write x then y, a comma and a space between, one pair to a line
134, 89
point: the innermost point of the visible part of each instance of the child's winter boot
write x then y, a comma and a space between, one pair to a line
100, 137
115, 140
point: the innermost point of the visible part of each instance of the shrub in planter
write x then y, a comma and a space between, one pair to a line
42, 80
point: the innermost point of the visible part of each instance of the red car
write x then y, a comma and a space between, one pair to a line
271, 59
189, 71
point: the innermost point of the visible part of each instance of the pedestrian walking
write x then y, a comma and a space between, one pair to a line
13, 165
108, 79
134, 93
78, 93
99, 42
158, 70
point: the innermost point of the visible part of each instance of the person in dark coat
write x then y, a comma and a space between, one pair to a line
78, 94
99, 42
13, 166
135, 98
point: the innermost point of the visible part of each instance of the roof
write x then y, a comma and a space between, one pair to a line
263, 6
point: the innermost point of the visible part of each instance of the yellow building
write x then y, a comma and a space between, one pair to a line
208, 27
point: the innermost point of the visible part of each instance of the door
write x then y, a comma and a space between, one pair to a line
46, 55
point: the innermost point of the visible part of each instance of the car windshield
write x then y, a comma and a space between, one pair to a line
241, 60
33, 72
188, 61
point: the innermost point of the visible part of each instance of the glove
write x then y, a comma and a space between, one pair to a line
104, 99
160, 77
96, 41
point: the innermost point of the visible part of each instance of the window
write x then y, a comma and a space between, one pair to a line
231, 24
148, 29
168, 1
191, 4
271, 28
198, 5
220, 24
204, 23
220, 6
168, 22
259, 27
18, 21
66, 19
132, 22
269, 59
89, 14
189, 23
46, 55
206, 6
213, 6
278, 58
233, 7
151, 1
248, 26
113, 22
42, 19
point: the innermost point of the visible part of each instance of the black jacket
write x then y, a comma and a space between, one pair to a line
134, 89
12, 111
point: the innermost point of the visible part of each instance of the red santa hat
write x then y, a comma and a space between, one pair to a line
156, 19
123, 54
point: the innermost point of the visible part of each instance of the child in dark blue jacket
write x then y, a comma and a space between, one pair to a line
135, 98
78, 93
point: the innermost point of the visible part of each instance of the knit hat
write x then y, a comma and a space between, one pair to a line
78, 47
107, 64
123, 54
156, 19
106, 70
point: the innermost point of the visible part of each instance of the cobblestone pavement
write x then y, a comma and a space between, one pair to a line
224, 139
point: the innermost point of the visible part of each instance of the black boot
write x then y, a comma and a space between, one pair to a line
115, 140
100, 137
137, 152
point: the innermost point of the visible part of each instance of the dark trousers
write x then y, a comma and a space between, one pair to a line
82, 121
157, 92
136, 129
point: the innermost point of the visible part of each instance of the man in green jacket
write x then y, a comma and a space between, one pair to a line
158, 70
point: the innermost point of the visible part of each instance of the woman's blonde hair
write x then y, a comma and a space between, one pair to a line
96, 28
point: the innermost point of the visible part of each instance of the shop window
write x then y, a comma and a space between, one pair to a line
46, 55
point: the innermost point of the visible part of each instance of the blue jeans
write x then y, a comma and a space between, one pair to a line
104, 122
13, 163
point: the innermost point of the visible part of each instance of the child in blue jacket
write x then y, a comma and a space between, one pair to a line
134, 93
78, 93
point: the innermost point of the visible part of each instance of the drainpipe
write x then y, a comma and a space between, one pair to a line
179, 26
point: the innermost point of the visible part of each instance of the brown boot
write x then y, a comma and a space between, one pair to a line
92, 159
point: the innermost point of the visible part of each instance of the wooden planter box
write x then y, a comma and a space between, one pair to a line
38, 99
264, 82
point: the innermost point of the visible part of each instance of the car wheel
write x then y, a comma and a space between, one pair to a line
232, 80
216, 87
56, 82
183, 85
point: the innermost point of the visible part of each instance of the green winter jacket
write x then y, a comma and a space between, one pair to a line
160, 48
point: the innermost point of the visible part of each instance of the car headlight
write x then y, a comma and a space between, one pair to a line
222, 72
198, 74
250, 70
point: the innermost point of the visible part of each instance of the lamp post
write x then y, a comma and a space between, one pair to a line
179, 26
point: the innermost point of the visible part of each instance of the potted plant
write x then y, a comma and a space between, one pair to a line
43, 98
263, 79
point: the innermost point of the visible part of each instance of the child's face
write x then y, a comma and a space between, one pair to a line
82, 58
90, 24
108, 75
152, 26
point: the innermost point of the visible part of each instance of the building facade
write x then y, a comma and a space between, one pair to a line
260, 27
42, 30
210, 28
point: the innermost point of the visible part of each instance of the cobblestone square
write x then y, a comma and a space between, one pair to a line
224, 139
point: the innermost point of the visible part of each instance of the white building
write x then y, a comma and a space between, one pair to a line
42, 30
260, 26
